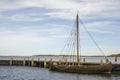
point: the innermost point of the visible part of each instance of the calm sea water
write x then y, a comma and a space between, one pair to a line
35, 73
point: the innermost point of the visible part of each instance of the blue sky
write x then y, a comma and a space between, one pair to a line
33, 27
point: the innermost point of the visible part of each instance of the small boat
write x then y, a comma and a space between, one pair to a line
80, 68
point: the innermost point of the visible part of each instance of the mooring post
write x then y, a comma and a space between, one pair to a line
24, 62
101, 61
83, 59
45, 64
107, 61
51, 60
66, 61
79, 62
38, 62
69, 63
28, 62
59, 61
32, 62
11, 61
115, 58
38, 59
73, 63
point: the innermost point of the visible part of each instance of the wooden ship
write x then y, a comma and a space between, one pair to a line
80, 68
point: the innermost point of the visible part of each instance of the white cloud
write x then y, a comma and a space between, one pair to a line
14, 40
64, 9
25, 17
68, 7
30, 35
13, 43
98, 24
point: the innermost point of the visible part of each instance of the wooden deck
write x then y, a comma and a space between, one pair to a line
45, 63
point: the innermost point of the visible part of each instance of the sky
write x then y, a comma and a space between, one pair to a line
35, 27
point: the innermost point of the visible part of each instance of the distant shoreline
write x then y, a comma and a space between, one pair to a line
113, 55
68, 55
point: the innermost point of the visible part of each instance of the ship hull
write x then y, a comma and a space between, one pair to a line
93, 69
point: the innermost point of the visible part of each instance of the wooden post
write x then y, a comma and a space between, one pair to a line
28, 63
24, 62
11, 60
69, 63
38, 59
45, 64
83, 59
101, 61
51, 60
79, 62
115, 58
107, 61
38, 62
66, 61
73, 63
32, 62
59, 61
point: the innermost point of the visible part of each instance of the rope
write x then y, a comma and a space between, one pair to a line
93, 39
70, 43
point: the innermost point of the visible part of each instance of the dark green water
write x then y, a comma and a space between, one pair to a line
35, 73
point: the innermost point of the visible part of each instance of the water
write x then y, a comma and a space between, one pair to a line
35, 73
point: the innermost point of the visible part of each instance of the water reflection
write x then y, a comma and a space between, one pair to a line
92, 77
35, 73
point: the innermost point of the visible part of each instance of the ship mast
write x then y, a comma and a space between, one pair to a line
77, 37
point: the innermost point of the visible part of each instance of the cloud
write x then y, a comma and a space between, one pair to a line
17, 40
23, 43
70, 7
32, 39
25, 17
30, 35
38, 26
87, 9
